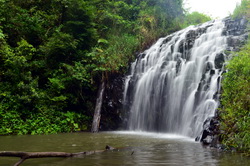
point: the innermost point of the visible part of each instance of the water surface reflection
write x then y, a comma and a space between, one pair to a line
140, 149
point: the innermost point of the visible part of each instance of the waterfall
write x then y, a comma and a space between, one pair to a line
173, 86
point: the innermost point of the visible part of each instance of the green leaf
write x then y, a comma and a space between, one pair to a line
103, 41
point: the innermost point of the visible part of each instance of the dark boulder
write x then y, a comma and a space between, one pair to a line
210, 132
219, 60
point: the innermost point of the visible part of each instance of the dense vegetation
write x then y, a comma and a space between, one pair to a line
55, 53
235, 113
242, 10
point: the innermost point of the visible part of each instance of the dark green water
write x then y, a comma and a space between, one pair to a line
148, 149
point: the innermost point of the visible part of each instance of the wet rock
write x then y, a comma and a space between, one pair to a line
209, 66
219, 61
111, 117
237, 32
168, 38
188, 42
207, 140
234, 43
235, 27
141, 56
210, 132
164, 64
212, 72
215, 141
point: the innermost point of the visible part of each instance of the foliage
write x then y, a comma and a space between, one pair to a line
235, 114
195, 18
42, 46
116, 57
242, 9
49, 121
54, 53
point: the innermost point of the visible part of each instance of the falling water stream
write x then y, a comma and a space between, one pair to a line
173, 86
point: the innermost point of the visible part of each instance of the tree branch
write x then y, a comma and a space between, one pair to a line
28, 155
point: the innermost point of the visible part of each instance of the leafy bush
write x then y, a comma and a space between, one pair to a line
195, 18
235, 114
121, 52
49, 121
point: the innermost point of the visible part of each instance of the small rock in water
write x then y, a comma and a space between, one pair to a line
109, 147
207, 140
197, 138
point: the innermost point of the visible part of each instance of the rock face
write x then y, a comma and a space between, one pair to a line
210, 132
237, 33
115, 112
111, 116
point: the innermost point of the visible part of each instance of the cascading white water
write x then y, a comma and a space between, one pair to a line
173, 85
